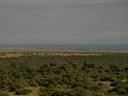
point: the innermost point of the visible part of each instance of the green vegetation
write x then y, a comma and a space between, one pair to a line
96, 73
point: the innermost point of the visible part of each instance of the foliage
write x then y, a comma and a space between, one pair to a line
102, 75
22, 91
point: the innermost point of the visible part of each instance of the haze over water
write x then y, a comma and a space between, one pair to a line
71, 46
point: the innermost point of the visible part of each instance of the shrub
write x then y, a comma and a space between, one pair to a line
81, 91
22, 91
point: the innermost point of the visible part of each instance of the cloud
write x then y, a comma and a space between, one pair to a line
117, 34
77, 21
53, 2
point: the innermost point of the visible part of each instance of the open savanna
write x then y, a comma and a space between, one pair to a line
63, 72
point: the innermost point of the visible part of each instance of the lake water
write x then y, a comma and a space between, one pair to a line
71, 46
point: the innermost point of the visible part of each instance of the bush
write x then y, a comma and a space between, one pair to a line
81, 91
121, 92
59, 94
22, 91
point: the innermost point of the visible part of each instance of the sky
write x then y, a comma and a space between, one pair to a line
63, 21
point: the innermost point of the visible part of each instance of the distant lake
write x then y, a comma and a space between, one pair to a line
70, 46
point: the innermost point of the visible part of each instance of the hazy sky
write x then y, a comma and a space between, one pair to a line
63, 21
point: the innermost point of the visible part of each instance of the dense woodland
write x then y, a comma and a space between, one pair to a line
98, 75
